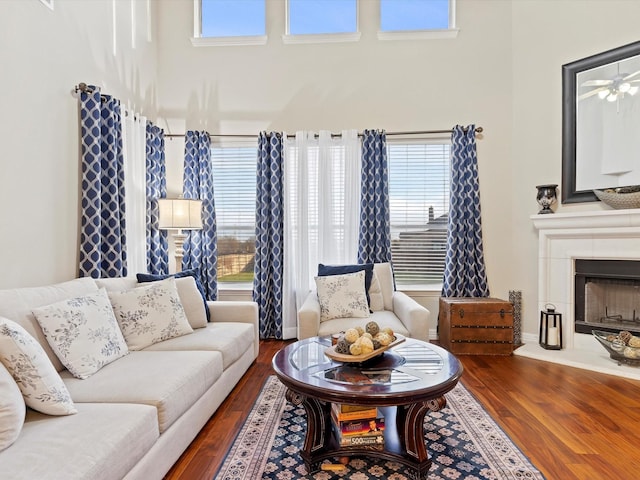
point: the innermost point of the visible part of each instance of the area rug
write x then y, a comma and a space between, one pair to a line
463, 442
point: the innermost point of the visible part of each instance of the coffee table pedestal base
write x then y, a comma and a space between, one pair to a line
403, 437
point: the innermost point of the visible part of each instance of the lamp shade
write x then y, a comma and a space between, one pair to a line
181, 213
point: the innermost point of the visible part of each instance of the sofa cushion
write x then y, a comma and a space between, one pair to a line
196, 311
83, 332
383, 318
148, 277
150, 314
100, 442
17, 304
342, 296
170, 381
12, 409
116, 284
40, 384
231, 339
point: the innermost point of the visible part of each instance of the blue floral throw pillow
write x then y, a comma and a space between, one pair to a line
150, 314
83, 333
149, 277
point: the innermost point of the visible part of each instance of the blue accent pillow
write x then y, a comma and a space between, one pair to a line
150, 277
327, 270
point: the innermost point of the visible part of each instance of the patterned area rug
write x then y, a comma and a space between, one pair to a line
463, 442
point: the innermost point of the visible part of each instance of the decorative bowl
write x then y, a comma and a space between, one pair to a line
617, 348
346, 358
620, 198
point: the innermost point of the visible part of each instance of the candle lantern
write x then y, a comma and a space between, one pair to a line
550, 328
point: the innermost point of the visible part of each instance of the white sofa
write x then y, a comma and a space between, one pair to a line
136, 415
396, 310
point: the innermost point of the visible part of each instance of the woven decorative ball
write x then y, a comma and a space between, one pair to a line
619, 198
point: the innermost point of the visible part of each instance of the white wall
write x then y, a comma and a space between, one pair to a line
43, 55
503, 72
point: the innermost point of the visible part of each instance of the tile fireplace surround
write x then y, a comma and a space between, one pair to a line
562, 238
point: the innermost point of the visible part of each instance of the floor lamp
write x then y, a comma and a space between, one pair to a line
180, 214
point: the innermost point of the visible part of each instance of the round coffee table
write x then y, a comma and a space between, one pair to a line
405, 382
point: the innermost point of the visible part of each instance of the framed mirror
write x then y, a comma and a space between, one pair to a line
600, 123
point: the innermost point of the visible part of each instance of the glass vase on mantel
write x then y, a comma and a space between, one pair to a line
546, 197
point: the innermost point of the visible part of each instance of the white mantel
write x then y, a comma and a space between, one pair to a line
563, 238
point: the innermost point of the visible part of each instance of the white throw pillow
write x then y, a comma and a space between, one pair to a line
191, 301
342, 296
12, 409
376, 301
150, 314
26, 360
83, 332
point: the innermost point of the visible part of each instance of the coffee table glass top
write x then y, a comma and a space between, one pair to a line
409, 366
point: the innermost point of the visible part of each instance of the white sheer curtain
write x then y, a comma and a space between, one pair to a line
322, 202
134, 136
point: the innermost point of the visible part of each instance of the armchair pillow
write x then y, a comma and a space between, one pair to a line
326, 270
83, 333
40, 384
342, 296
371, 283
150, 314
376, 300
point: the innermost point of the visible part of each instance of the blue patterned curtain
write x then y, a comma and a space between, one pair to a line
157, 245
201, 246
102, 225
464, 271
374, 244
269, 262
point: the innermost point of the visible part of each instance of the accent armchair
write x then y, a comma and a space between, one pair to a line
394, 309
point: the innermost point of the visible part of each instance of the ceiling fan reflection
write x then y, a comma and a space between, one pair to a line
613, 89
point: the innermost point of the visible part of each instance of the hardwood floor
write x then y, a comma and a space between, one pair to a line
572, 424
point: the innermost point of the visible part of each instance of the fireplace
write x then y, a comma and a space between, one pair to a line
563, 238
607, 295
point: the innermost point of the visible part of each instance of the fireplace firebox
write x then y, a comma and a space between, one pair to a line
607, 295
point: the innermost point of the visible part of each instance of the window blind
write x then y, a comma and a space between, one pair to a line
234, 190
419, 205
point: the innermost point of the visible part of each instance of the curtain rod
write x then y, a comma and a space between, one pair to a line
83, 87
240, 135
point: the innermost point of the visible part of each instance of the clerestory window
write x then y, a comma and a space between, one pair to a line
321, 21
414, 19
229, 22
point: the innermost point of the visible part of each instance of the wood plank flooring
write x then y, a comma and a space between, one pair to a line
572, 424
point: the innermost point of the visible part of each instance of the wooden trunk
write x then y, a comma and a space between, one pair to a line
476, 326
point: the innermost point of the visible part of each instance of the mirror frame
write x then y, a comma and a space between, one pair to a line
569, 125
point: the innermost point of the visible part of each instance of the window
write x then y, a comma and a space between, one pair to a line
419, 205
229, 22
412, 19
321, 16
396, 15
234, 190
321, 21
